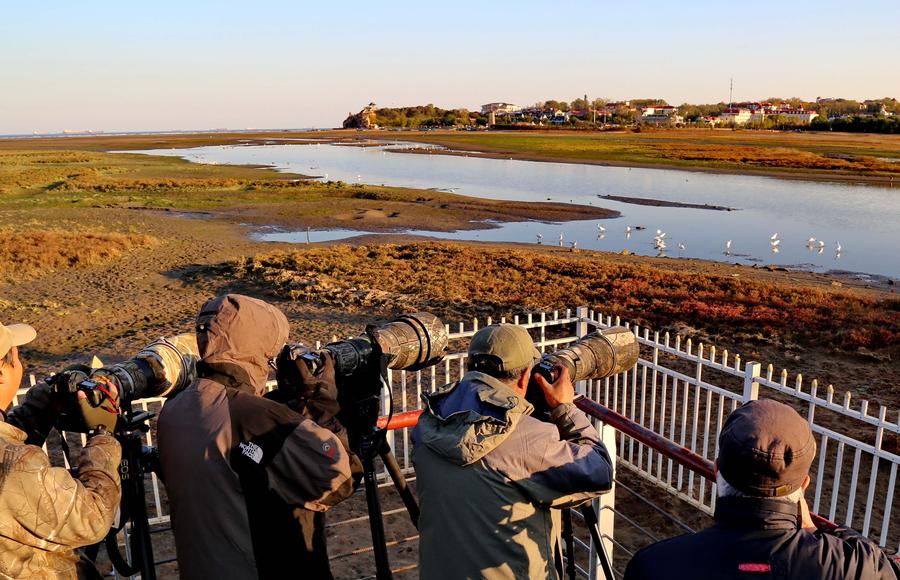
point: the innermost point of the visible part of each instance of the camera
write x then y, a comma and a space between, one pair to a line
161, 369
409, 342
597, 355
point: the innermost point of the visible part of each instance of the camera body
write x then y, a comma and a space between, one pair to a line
409, 342
161, 369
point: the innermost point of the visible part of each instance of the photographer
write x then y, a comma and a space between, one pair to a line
489, 474
45, 513
762, 527
248, 477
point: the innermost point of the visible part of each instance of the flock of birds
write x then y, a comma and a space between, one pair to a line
660, 242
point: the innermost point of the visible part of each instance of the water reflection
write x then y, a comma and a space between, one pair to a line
866, 219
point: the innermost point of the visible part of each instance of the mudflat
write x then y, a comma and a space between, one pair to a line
104, 252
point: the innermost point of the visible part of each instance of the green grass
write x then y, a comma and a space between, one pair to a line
71, 179
825, 154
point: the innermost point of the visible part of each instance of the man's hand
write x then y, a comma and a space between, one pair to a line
560, 392
103, 416
319, 391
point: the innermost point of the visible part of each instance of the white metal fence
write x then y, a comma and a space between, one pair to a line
684, 391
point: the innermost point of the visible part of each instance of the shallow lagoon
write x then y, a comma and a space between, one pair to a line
864, 219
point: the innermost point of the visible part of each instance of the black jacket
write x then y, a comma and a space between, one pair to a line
762, 539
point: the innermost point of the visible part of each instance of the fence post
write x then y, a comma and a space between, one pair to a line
751, 387
605, 508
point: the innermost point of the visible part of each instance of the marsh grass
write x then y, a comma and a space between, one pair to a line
720, 149
34, 250
460, 281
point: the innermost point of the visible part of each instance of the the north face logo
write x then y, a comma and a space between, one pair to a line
252, 450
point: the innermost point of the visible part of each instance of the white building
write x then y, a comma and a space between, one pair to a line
502, 108
661, 115
735, 115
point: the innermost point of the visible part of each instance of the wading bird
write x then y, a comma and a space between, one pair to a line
601, 229
540, 238
727, 246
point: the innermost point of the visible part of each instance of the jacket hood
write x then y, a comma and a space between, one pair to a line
237, 336
470, 418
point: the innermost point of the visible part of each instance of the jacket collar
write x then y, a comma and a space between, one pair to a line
9, 432
756, 513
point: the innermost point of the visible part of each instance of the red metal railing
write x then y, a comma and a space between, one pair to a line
655, 441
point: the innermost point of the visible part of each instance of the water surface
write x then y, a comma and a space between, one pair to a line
864, 219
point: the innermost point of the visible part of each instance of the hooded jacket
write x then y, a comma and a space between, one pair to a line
488, 474
242, 471
761, 539
45, 513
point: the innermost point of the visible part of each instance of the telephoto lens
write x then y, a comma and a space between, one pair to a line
599, 354
161, 369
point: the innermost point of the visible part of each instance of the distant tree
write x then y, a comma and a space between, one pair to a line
578, 105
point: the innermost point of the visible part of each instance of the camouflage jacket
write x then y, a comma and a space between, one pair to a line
45, 513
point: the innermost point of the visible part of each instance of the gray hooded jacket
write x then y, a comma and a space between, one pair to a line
488, 475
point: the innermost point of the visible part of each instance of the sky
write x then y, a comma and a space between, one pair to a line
128, 66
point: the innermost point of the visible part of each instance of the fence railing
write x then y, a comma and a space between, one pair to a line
682, 391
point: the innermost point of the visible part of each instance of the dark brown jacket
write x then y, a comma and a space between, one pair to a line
761, 539
240, 469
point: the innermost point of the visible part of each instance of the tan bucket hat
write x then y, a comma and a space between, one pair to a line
15, 335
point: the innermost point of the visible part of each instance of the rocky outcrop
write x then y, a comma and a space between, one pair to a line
364, 119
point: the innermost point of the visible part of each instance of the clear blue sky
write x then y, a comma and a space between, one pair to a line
126, 65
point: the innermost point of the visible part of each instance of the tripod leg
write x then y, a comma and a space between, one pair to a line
382, 565
406, 494
590, 520
569, 539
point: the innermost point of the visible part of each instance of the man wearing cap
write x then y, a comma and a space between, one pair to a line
488, 474
762, 524
45, 513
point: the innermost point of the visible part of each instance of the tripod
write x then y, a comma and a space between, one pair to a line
593, 525
368, 444
137, 460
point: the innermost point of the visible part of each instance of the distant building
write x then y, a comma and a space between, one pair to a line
500, 108
661, 115
735, 115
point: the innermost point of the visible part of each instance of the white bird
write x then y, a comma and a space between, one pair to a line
680, 246
810, 241
659, 233
775, 242
540, 238
821, 244
774, 236
600, 228
574, 244
727, 245
627, 229
560, 240
839, 249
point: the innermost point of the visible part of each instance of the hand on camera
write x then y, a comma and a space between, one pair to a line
319, 389
560, 392
100, 411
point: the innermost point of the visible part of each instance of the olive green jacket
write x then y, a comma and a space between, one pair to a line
489, 477
45, 513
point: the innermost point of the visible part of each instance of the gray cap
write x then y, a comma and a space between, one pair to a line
504, 347
766, 449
